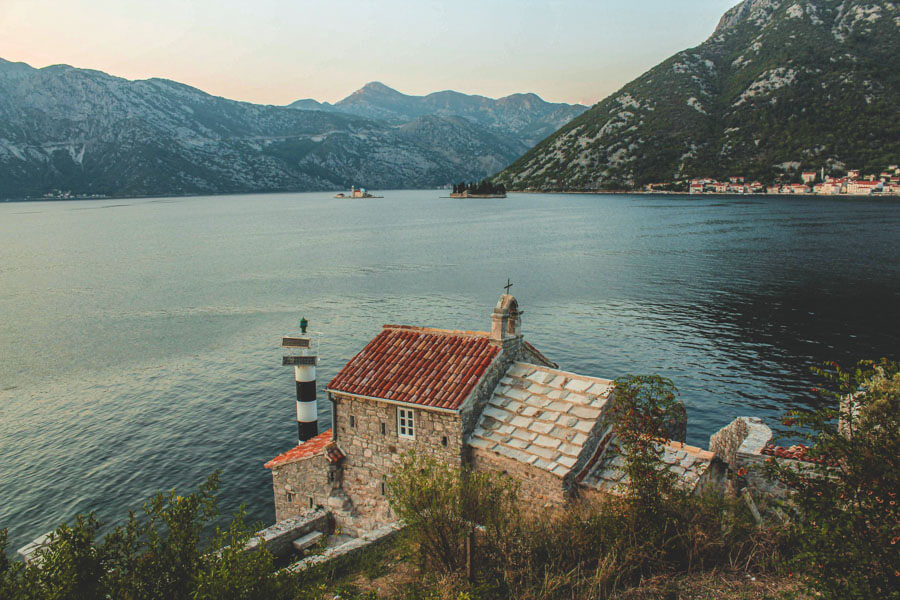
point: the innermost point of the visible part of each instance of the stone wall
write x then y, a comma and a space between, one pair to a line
348, 548
471, 409
538, 487
300, 486
279, 536
372, 455
743, 436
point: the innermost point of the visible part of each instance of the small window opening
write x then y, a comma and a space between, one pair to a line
406, 427
330, 475
444, 441
382, 488
310, 501
383, 429
352, 421
290, 497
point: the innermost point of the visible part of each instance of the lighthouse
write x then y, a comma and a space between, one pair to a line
304, 365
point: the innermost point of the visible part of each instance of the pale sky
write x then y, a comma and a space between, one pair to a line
278, 51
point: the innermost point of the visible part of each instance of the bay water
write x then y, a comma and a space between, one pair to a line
139, 338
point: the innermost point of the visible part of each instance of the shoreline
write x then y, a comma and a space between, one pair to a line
666, 193
582, 192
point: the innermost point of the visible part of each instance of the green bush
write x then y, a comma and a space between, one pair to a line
441, 506
163, 555
642, 412
846, 524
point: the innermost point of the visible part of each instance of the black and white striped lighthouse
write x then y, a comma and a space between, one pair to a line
305, 376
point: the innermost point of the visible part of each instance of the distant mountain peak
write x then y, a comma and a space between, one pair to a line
376, 87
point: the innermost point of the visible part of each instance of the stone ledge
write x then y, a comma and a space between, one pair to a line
347, 548
279, 536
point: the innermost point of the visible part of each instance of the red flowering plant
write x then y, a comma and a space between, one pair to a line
844, 482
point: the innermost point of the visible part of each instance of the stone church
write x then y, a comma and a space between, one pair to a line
489, 400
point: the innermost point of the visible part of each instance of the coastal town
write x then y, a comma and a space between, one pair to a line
853, 183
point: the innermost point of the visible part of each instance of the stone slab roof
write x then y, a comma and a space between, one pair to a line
310, 447
689, 463
541, 416
418, 365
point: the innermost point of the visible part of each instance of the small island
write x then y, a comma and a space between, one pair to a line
482, 189
356, 192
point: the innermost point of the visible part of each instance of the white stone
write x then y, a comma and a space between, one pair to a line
585, 412
521, 421
479, 442
539, 426
544, 453
578, 439
560, 407
567, 461
558, 381
528, 411
584, 426
496, 413
549, 442
559, 470
578, 385
538, 389
515, 393
539, 401
569, 449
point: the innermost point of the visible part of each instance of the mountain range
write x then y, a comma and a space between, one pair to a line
779, 86
83, 131
525, 116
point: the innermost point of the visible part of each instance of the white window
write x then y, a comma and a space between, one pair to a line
406, 426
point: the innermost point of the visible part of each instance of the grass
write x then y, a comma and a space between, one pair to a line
388, 570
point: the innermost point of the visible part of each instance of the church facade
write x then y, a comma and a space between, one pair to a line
489, 400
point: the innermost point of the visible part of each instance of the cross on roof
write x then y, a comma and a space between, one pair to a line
508, 285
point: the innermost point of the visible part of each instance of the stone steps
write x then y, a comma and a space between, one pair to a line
307, 541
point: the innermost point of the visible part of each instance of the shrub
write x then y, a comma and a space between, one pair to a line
642, 412
844, 497
162, 555
441, 506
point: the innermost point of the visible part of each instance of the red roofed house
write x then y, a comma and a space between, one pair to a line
863, 188
490, 400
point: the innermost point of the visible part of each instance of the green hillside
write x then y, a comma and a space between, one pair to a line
813, 82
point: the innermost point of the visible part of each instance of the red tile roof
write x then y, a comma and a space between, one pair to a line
306, 449
796, 452
418, 365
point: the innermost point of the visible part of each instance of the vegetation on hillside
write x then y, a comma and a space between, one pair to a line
778, 87
163, 554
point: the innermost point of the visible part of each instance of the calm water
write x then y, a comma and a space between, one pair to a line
139, 339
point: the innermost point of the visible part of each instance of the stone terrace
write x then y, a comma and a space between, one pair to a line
542, 417
689, 463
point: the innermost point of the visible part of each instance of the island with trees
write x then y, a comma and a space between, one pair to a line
482, 189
